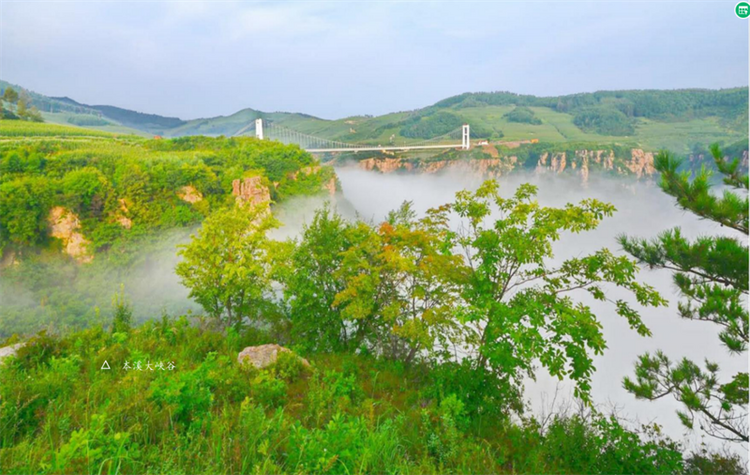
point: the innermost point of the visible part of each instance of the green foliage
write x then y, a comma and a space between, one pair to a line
603, 445
604, 121
704, 461
60, 413
10, 95
87, 120
431, 125
401, 285
311, 283
123, 318
712, 273
518, 309
522, 115
226, 266
133, 200
24, 204
653, 104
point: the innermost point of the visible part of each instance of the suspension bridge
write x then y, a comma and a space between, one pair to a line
458, 138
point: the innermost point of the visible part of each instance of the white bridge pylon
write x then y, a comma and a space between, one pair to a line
312, 144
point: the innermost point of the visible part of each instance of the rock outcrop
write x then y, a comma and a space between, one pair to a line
190, 194
492, 168
330, 186
265, 355
581, 162
64, 225
250, 190
8, 351
122, 217
641, 163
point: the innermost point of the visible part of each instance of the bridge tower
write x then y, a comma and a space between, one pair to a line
465, 137
259, 128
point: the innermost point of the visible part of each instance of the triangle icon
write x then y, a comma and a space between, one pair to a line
105, 365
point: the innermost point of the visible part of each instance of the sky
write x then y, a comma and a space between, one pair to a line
334, 59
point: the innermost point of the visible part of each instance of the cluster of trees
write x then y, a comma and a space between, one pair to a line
483, 301
603, 120
522, 115
100, 180
128, 197
18, 106
426, 124
652, 104
415, 290
432, 125
612, 112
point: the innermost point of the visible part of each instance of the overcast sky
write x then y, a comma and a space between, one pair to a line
334, 59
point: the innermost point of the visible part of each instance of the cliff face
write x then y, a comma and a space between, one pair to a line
250, 190
696, 160
581, 162
65, 226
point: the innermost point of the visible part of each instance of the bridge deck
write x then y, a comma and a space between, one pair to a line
379, 149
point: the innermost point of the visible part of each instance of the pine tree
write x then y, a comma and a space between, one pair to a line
711, 273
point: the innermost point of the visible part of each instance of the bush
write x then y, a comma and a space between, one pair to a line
604, 121
522, 115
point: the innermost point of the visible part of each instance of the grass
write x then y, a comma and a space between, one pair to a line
18, 128
62, 413
65, 118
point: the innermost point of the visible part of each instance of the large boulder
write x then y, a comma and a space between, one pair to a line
264, 355
8, 351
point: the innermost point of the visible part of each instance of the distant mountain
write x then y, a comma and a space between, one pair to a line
681, 120
138, 120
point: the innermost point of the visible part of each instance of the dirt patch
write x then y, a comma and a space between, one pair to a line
490, 149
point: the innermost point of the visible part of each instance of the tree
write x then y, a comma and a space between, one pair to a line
24, 206
227, 266
85, 190
22, 108
402, 284
10, 95
518, 305
311, 283
712, 274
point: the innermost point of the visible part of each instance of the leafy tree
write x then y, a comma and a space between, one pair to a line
227, 267
712, 274
22, 108
10, 95
402, 284
311, 283
122, 319
24, 204
518, 305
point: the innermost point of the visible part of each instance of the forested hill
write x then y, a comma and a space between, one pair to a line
71, 196
679, 120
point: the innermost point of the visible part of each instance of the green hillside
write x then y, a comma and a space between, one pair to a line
116, 203
680, 120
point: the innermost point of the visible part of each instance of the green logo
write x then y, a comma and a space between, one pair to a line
742, 10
